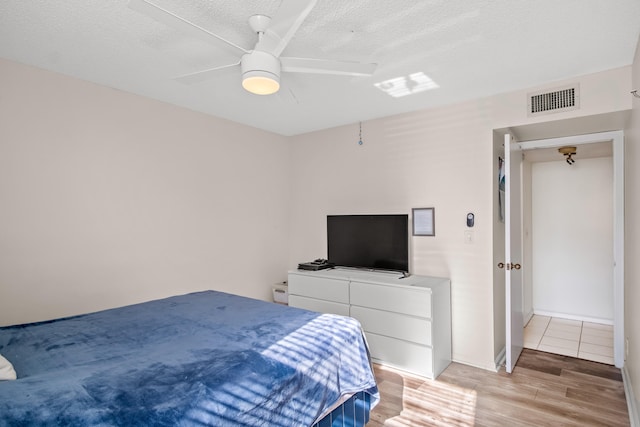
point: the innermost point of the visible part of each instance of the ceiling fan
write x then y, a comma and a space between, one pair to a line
262, 65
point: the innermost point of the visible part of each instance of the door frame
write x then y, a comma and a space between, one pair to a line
617, 140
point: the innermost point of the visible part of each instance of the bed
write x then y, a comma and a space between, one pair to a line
201, 359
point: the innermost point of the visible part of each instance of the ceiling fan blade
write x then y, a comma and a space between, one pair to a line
284, 25
200, 76
181, 24
323, 66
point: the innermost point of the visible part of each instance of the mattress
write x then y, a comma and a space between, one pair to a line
201, 359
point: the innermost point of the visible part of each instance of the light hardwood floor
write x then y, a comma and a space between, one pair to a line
544, 390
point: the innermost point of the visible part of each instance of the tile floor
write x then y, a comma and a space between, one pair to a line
584, 340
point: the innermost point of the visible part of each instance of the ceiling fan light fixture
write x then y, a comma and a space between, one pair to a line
260, 82
260, 73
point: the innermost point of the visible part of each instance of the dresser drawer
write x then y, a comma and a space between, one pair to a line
318, 305
319, 287
395, 325
412, 301
401, 354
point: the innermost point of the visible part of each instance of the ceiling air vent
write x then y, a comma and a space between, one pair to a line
555, 101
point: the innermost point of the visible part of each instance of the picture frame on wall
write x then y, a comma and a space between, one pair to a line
423, 220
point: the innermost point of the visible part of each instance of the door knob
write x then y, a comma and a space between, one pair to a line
509, 266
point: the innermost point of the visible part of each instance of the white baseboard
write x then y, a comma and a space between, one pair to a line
632, 403
573, 317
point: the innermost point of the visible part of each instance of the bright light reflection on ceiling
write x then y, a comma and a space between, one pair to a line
409, 85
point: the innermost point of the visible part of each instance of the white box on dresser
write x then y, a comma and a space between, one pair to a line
407, 320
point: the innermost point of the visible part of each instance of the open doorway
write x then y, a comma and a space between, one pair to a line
568, 248
616, 138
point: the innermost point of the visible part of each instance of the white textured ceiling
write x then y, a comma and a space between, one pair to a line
470, 48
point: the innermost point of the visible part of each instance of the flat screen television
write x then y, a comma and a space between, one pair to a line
378, 242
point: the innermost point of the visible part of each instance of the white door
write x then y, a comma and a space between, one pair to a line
513, 251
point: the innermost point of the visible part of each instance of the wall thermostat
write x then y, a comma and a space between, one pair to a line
470, 220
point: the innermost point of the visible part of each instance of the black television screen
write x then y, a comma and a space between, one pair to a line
379, 242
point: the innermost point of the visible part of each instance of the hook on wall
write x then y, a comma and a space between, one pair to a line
568, 152
635, 93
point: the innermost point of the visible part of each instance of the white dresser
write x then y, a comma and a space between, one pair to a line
407, 321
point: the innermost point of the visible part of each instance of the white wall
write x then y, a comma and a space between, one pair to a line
107, 199
600, 93
572, 239
433, 158
632, 236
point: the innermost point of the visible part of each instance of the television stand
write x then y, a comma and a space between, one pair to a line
407, 320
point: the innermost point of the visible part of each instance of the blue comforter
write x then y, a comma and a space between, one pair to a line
202, 359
